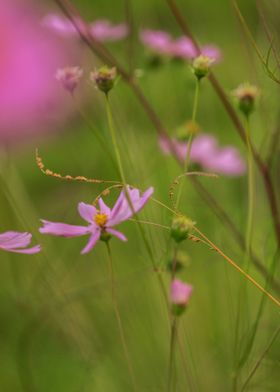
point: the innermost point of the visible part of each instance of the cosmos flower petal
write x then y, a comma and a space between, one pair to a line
13, 239
87, 211
117, 234
104, 209
124, 211
29, 251
92, 241
63, 229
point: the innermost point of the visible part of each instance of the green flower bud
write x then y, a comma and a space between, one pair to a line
180, 228
105, 236
246, 95
104, 78
201, 66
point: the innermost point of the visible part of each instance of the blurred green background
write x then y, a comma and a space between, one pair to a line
57, 326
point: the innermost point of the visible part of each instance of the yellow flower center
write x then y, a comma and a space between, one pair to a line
100, 219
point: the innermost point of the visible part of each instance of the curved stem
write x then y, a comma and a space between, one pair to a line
118, 317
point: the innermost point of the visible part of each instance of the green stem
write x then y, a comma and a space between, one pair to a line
95, 132
189, 146
250, 192
118, 317
171, 369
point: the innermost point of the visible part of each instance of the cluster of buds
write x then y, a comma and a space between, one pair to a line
246, 95
181, 227
104, 78
201, 66
180, 294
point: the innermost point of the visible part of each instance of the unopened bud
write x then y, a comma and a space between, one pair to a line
104, 78
69, 77
181, 227
246, 95
201, 66
180, 294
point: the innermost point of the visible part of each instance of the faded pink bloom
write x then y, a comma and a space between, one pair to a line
162, 43
100, 222
63, 26
13, 241
103, 30
180, 292
206, 152
69, 77
29, 56
158, 41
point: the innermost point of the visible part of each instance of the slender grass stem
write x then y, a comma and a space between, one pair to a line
172, 367
118, 317
189, 146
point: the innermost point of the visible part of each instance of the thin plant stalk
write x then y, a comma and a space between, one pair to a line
118, 317
172, 367
189, 146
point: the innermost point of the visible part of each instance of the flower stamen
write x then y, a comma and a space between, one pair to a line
100, 219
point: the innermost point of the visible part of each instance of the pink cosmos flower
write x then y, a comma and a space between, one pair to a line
180, 292
100, 221
162, 43
101, 30
13, 241
206, 152
69, 77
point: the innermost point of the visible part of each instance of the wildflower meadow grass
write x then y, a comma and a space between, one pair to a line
140, 219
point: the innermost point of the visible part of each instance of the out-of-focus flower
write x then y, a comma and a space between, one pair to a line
201, 66
69, 77
13, 241
30, 55
103, 30
104, 78
246, 95
206, 153
100, 222
160, 42
63, 26
180, 294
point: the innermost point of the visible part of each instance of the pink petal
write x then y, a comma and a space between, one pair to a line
92, 241
104, 209
123, 210
13, 239
117, 234
87, 212
30, 251
63, 229
213, 52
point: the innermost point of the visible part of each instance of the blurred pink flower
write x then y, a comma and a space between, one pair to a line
158, 41
30, 101
162, 43
180, 292
69, 77
206, 152
13, 241
101, 30
62, 25
102, 221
